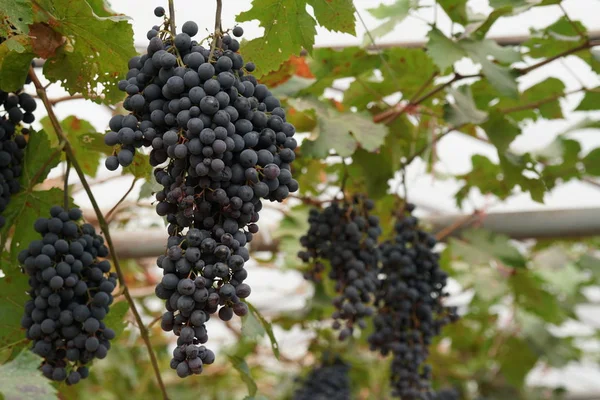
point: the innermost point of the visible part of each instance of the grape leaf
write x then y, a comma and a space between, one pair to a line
16, 54
81, 134
501, 77
480, 29
481, 246
96, 53
242, 367
592, 162
463, 110
500, 130
394, 14
267, 327
13, 288
591, 101
343, 132
456, 10
25, 207
335, 15
21, 379
327, 65
115, 319
37, 164
516, 360
288, 29
140, 167
544, 95
443, 51
18, 12
101, 8
529, 293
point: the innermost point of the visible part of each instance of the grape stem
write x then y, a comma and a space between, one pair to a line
41, 91
172, 17
66, 190
218, 29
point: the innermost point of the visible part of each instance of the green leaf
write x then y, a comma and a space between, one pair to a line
456, 10
443, 51
335, 15
92, 60
513, 166
288, 29
342, 132
13, 295
516, 360
327, 65
16, 54
37, 163
18, 12
371, 171
394, 14
115, 319
25, 207
267, 327
140, 167
501, 77
482, 27
463, 110
529, 293
101, 8
484, 246
545, 96
591, 101
21, 379
84, 141
592, 162
500, 130
242, 367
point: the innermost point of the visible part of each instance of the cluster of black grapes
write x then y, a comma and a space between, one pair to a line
447, 394
346, 236
15, 108
330, 381
71, 291
410, 307
221, 143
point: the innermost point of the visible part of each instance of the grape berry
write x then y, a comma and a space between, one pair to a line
71, 291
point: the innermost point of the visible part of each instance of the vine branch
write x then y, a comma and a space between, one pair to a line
112, 210
41, 91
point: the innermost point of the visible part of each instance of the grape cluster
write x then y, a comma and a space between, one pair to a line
447, 394
346, 236
14, 109
410, 307
221, 143
330, 381
71, 291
